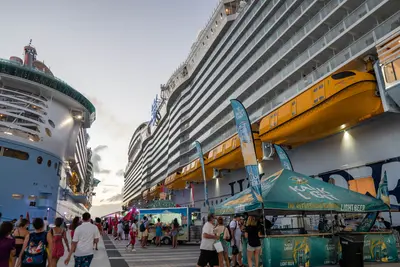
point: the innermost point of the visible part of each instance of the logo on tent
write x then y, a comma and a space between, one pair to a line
298, 180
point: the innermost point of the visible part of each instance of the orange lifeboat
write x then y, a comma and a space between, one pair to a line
145, 194
175, 182
228, 155
193, 172
155, 190
335, 104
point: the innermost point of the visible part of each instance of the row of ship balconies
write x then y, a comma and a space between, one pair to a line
260, 104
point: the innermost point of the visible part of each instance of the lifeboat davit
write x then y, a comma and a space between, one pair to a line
228, 155
335, 104
175, 182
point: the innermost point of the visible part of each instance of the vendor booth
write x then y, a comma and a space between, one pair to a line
287, 193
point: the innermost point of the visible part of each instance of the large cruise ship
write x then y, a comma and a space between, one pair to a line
318, 77
44, 159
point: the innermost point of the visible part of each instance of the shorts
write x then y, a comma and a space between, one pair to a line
208, 257
83, 261
18, 249
252, 249
145, 233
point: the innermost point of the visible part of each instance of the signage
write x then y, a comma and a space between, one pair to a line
245, 134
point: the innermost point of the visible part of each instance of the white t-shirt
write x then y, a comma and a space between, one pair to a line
207, 244
46, 223
120, 228
85, 235
134, 227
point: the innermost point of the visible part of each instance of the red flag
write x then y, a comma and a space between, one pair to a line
128, 216
162, 188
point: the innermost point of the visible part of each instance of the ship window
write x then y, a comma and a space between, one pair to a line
48, 132
12, 153
39, 160
52, 124
32, 197
55, 165
342, 75
49, 163
17, 196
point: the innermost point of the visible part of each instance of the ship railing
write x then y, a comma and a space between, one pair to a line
353, 50
52, 82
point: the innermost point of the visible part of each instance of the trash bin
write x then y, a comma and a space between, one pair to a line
352, 250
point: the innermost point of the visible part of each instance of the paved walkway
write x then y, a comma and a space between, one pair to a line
164, 256
114, 254
100, 258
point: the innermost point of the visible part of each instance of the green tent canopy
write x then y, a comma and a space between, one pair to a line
288, 192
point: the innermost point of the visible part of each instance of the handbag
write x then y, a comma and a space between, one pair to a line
218, 246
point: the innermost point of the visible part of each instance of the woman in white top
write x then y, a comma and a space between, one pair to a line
223, 233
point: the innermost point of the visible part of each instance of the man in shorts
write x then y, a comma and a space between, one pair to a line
208, 254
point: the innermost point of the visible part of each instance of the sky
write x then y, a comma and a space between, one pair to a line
115, 52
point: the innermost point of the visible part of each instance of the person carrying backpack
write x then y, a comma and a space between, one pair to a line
37, 246
126, 229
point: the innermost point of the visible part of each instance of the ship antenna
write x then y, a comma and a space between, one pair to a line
30, 42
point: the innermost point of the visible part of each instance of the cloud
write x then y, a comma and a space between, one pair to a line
102, 210
115, 127
120, 172
105, 190
115, 198
96, 160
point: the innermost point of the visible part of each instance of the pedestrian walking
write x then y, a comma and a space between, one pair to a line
19, 235
7, 244
208, 254
59, 235
133, 233
38, 245
82, 244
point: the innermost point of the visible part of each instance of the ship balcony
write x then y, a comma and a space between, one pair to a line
78, 197
389, 59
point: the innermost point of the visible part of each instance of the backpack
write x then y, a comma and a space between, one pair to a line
142, 228
229, 232
35, 252
126, 227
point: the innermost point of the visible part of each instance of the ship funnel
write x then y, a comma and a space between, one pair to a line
30, 54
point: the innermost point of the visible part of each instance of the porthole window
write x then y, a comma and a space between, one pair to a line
221, 15
212, 31
216, 23
48, 132
52, 124
55, 165
207, 37
203, 43
39, 160
49, 163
